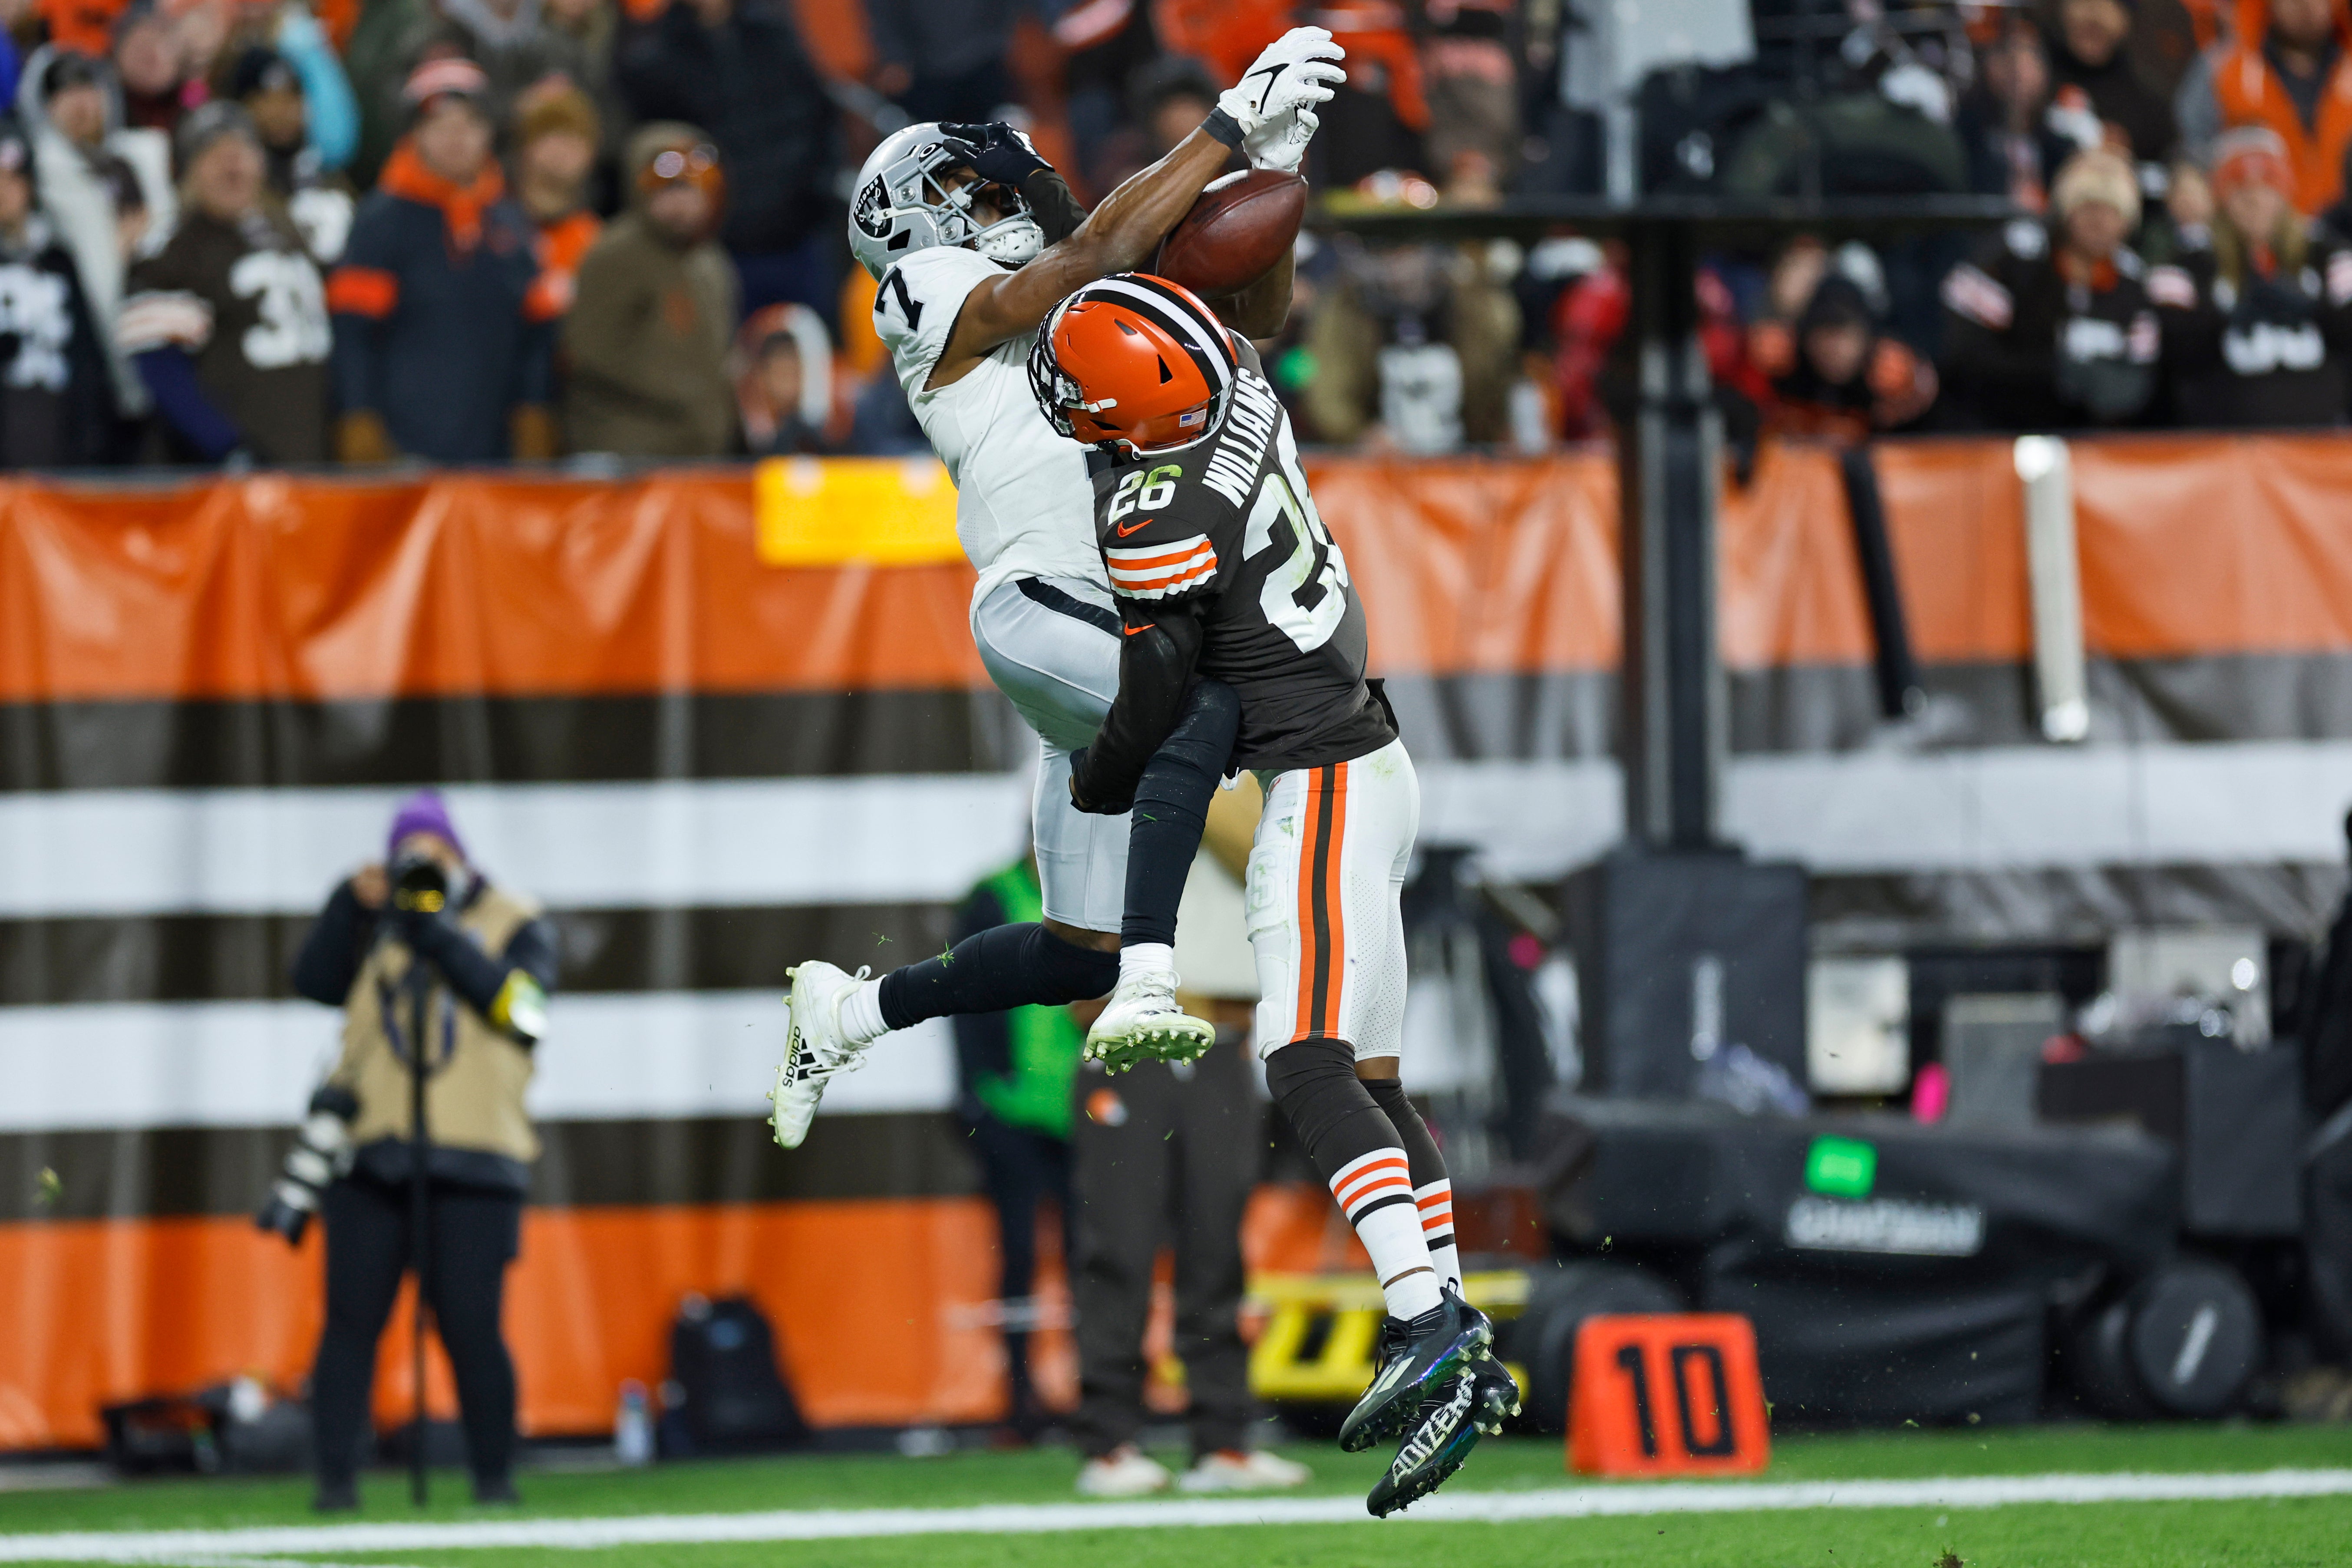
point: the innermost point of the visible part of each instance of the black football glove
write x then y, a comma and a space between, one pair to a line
1082, 800
997, 152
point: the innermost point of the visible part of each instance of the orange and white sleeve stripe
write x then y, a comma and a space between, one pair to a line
1161, 571
1373, 1181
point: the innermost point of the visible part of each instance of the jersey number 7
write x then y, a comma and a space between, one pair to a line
1306, 594
908, 307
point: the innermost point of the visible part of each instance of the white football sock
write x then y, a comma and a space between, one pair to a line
1138, 956
1408, 1283
861, 1012
1435, 1201
1447, 1261
1376, 1195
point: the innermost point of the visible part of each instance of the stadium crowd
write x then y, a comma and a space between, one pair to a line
239, 231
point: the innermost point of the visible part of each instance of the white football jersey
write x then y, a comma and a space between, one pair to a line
1025, 504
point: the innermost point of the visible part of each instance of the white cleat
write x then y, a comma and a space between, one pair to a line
815, 1047
1125, 1471
1236, 1470
1141, 1023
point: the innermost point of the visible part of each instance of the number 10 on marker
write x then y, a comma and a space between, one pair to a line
1666, 1393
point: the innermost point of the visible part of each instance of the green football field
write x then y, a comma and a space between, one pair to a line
2156, 1496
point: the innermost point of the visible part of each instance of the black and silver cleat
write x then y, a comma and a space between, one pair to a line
1413, 1359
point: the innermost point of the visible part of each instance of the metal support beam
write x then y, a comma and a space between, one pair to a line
1669, 467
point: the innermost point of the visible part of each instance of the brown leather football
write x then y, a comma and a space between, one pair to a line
1236, 230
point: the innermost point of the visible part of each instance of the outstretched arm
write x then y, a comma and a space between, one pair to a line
1296, 70
1116, 238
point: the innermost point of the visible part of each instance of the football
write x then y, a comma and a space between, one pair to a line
1237, 229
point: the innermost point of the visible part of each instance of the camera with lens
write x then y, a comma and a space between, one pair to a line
420, 884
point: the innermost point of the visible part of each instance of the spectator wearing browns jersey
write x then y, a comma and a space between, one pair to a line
647, 338
55, 402
2257, 325
2050, 328
441, 349
227, 323
297, 176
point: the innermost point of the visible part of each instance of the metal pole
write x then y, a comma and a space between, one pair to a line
420, 1227
1668, 472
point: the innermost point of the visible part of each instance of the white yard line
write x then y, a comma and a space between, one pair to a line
189, 1546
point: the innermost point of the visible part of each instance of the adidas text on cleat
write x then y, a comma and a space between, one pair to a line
815, 1047
1142, 1023
1434, 1448
1410, 1361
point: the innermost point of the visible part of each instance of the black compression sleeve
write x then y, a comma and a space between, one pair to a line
1420, 1146
1155, 671
1337, 1121
984, 1040
1171, 807
1057, 210
1002, 968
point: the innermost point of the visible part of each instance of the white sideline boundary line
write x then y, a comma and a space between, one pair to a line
1461, 1508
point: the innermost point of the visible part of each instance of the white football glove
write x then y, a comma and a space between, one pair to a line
1297, 70
1281, 142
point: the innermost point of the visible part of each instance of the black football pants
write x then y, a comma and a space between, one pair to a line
476, 1233
1163, 1155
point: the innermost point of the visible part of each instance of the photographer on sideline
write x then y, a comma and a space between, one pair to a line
423, 948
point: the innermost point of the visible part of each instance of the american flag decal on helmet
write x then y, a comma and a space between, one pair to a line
1161, 571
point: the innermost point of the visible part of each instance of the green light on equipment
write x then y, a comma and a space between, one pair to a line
1841, 1167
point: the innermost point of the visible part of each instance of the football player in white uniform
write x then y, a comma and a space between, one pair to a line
952, 222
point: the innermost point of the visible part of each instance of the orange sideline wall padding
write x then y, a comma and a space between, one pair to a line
104, 1310
2185, 541
463, 583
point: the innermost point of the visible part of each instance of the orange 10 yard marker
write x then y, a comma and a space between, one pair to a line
1666, 1395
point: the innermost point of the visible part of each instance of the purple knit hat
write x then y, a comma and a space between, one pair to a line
424, 812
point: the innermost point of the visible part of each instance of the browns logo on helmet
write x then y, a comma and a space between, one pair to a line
1133, 360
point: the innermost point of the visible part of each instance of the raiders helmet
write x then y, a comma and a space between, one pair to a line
902, 207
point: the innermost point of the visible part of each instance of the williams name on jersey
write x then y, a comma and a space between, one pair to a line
1226, 526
